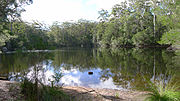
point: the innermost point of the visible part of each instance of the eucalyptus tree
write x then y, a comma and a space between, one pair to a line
9, 10
172, 21
100, 28
68, 34
136, 22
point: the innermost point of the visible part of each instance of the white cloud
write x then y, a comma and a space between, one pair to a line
71, 80
108, 84
49, 11
104, 4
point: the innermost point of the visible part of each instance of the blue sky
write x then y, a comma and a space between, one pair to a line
49, 11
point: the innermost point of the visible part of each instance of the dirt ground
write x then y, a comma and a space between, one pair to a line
91, 94
10, 91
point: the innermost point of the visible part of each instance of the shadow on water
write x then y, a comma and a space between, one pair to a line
114, 69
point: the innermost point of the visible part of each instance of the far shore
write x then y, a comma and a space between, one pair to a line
167, 47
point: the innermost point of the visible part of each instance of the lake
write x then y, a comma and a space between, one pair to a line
121, 69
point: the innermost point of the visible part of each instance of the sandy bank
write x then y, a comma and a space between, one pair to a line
11, 91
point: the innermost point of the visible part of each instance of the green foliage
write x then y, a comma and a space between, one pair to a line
163, 91
12, 8
9, 10
103, 15
130, 25
142, 38
71, 34
28, 36
35, 92
136, 22
4, 33
29, 90
172, 37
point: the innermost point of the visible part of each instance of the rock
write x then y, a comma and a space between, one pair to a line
4, 49
90, 73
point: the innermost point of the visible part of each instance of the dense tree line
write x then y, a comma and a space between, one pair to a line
37, 36
79, 33
139, 23
130, 23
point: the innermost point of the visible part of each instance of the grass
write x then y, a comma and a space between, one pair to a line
34, 92
163, 91
117, 95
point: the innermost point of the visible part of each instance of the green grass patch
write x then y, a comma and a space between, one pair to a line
162, 90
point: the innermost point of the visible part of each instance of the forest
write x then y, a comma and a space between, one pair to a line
132, 48
133, 23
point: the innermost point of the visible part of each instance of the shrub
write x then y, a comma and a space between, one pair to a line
35, 92
163, 91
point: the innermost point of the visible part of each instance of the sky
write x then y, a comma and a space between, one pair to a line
49, 11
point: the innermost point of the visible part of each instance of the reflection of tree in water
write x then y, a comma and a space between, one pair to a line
105, 74
127, 67
136, 65
69, 59
16, 65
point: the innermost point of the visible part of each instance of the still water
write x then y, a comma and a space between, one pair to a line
95, 68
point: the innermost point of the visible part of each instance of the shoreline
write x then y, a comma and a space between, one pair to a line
10, 90
49, 50
97, 94
168, 47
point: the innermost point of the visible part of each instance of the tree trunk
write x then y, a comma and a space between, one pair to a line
154, 21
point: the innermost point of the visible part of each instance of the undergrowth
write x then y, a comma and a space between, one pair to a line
36, 92
163, 91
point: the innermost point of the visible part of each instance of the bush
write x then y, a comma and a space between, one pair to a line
35, 92
161, 91
172, 37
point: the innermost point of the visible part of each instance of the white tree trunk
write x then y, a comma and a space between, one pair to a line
154, 21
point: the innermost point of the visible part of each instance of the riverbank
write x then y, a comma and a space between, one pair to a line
168, 47
11, 91
94, 94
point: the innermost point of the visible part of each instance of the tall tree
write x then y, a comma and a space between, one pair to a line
9, 10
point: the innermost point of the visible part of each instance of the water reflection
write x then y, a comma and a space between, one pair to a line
115, 69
